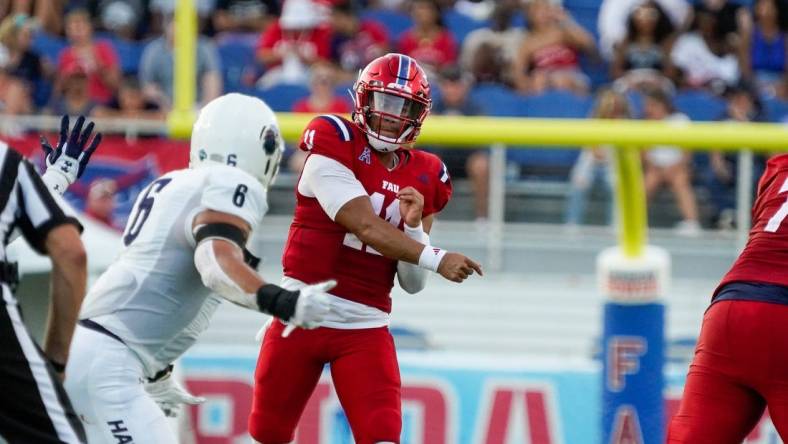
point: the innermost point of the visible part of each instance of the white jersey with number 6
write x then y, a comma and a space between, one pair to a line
152, 296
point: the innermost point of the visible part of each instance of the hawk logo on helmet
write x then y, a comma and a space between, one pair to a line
270, 139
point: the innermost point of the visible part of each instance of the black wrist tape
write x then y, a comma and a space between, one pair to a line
277, 301
161, 374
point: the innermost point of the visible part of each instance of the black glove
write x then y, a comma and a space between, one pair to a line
73, 147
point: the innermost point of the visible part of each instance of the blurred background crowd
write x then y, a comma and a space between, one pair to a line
641, 59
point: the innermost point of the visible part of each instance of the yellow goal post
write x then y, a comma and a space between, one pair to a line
626, 135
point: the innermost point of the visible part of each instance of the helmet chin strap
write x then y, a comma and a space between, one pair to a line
383, 146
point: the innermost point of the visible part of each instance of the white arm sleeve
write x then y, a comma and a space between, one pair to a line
411, 277
214, 277
330, 182
231, 191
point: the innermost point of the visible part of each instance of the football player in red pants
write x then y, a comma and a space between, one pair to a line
741, 360
365, 205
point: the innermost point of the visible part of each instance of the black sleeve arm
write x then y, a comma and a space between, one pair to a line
39, 212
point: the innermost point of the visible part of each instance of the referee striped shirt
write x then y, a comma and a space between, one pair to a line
26, 203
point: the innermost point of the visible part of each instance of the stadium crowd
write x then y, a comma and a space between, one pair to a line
652, 59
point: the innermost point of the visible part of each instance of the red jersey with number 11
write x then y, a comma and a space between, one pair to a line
765, 258
318, 248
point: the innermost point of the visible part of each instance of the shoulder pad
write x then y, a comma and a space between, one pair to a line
233, 191
331, 136
438, 178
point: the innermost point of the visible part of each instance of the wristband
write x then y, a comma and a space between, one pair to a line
55, 180
431, 257
276, 301
161, 374
417, 234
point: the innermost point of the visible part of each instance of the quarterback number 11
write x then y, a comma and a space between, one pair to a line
779, 216
391, 216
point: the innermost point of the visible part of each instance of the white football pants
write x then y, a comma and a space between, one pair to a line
104, 380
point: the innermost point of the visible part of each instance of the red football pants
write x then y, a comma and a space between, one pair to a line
363, 368
740, 367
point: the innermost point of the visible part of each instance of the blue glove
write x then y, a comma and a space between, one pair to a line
67, 162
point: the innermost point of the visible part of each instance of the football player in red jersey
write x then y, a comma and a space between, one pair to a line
741, 360
365, 206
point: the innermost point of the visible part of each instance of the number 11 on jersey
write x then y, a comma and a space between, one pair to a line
392, 216
775, 221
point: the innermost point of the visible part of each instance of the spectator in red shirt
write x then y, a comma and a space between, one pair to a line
428, 41
97, 58
293, 43
355, 42
322, 97
322, 100
101, 201
74, 96
549, 56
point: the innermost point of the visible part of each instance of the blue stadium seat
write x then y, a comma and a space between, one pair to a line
48, 46
598, 71
498, 100
586, 16
395, 22
635, 100
700, 105
282, 97
460, 24
518, 20
42, 92
776, 110
544, 163
343, 90
570, 4
550, 163
129, 53
558, 104
238, 58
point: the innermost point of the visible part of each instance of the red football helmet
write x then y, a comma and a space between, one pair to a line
392, 99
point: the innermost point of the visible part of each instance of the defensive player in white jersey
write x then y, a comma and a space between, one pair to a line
184, 251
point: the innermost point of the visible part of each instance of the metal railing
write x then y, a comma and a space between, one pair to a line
591, 131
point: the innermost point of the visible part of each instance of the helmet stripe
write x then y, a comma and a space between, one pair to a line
404, 69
